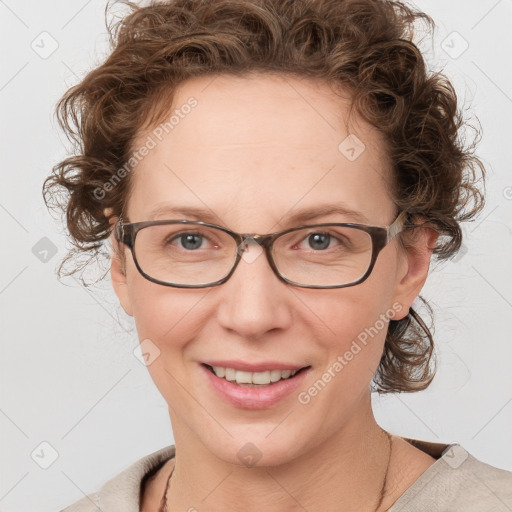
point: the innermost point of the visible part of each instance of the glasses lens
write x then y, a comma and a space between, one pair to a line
323, 255
185, 254
192, 254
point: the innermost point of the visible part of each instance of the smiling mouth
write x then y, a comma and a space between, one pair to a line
253, 379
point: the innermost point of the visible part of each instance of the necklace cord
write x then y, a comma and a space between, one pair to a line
382, 491
163, 501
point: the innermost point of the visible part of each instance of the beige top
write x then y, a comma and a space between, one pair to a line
456, 482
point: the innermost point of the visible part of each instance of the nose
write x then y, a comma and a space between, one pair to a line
254, 300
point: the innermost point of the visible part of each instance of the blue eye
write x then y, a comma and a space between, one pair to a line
190, 241
322, 241
319, 241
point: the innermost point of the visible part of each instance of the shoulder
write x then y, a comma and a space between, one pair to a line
88, 503
123, 491
458, 481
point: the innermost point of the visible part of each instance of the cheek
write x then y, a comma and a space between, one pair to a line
351, 326
167, 322
347, 313
163, 313
356, 328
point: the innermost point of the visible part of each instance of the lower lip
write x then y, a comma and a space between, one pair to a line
254, 398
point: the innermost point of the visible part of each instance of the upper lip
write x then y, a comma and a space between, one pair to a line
254, 367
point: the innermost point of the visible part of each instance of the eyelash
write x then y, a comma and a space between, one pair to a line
178, 236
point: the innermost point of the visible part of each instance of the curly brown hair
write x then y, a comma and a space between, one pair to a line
364, 46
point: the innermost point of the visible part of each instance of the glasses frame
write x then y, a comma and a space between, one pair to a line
126, 233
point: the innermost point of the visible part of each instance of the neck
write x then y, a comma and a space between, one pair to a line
345, 472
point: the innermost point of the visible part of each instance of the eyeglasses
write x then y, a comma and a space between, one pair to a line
194, 254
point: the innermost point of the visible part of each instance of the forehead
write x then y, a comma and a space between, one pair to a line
240, 144
267, 109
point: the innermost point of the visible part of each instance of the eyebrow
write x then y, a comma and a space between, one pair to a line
299, 217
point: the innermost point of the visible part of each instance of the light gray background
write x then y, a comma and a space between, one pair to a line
69, 375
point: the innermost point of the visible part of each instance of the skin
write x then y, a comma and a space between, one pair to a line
254, 150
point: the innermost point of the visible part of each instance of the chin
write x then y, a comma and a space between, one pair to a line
257, 450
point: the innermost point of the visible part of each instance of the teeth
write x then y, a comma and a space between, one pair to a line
275, 375
229, 373
260, 377
250, 378
219, 371
286, 373
244, 377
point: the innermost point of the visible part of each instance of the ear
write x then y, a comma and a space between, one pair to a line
413, 266
118, 275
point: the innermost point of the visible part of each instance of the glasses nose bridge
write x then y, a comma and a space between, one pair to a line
264, 241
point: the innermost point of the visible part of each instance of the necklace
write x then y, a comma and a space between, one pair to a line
164, 500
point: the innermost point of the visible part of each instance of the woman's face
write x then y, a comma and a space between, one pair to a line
251, 153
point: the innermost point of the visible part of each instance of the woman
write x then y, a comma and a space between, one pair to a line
274, 178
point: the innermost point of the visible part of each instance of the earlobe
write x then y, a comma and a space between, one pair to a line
118, 276
413, 273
